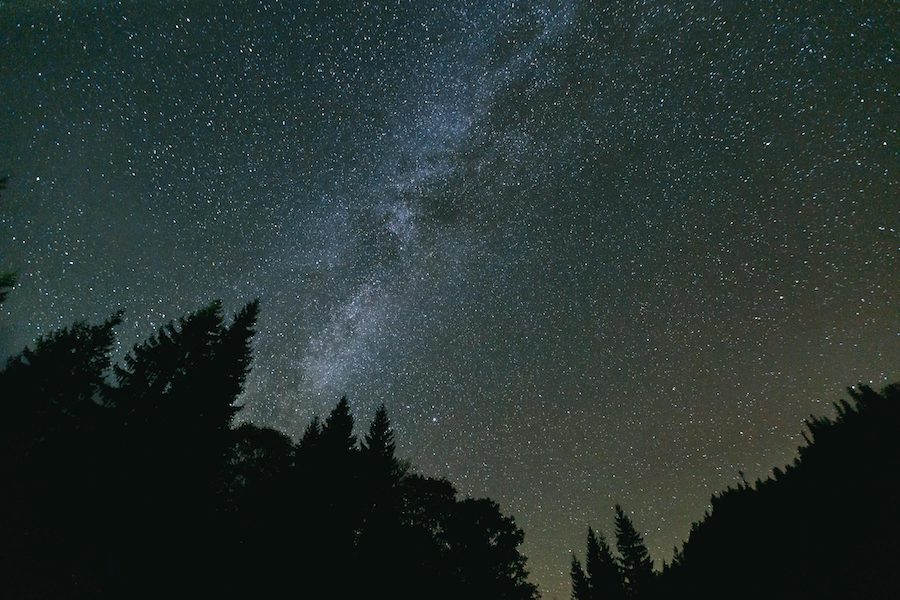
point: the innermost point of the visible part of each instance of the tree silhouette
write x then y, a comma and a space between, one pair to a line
51, 458
602, 571
312, 435
818, 528
378, 448
635, 562
379, 442
132, 481
127, 480
484, 544
337, 433
602, 578
581, 589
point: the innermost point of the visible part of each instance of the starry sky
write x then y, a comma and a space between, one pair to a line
585, 252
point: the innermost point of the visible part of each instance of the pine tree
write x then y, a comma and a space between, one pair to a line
311, 437
378, 449
235, 354
580, 587
52, 460
57, 384
194, 368
337, 432
603, 573
379, 441
637, 567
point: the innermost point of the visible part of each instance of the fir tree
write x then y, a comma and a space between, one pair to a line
337, 432
311, 437
580, 586
53, 447
378, 448
379, 442
637, 567
603, 573
58, 384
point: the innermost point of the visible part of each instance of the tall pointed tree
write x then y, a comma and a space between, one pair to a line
236, 353
53, 448
337, 432
194, 368
379, 441
637, 567
603, 573
581, 589
311, 437
56, 384
378, 448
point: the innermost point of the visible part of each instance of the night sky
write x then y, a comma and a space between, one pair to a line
585, 252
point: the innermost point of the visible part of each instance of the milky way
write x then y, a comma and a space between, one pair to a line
585, 252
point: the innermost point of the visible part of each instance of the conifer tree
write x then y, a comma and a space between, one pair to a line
311, 437
378, 449
57, 384
379, 442
52, 449
603, 573
337, 432
236, 354
637, 567
580, 587
194, 368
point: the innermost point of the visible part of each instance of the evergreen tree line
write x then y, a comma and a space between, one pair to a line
607, 576
131, 480
826, 526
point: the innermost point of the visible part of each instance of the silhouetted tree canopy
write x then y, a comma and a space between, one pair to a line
131, 481
602, 570
634, 559
823, 527
581, 589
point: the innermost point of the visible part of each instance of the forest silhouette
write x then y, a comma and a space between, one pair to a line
826, 526
130, 481
133, 480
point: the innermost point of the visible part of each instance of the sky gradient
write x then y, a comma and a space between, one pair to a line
585, 252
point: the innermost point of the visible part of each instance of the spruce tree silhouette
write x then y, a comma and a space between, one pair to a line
602, 578
51, 451
382, 519
309, 441
174, 401
603, 573
378, 445
581, 589
337, 433
130, 481
820, 528
635, 562
327, 485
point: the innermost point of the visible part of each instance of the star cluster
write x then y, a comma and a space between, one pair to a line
585, 252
